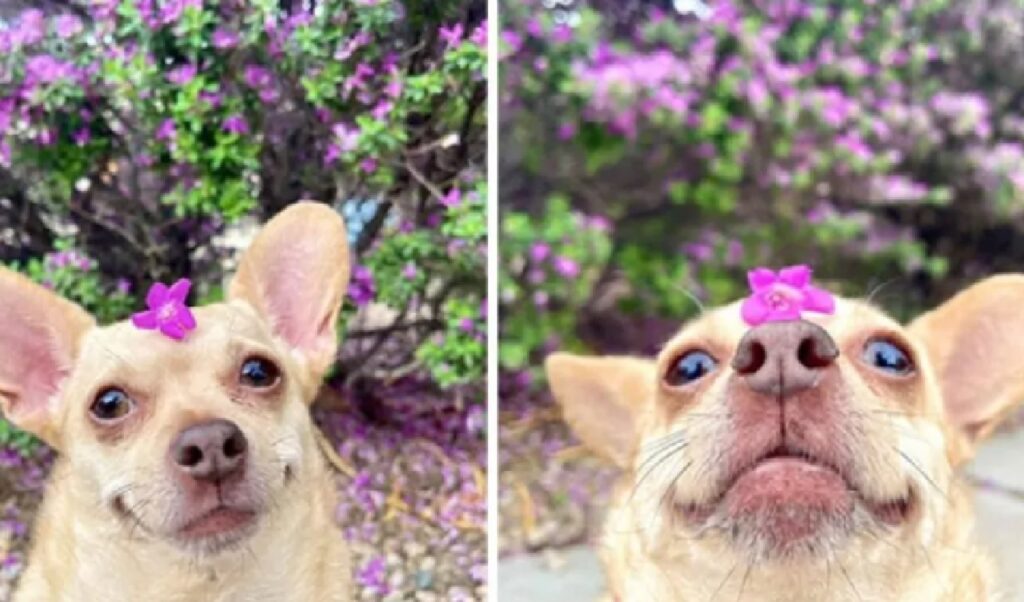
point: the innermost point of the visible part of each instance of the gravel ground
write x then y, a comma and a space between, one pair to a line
413, 504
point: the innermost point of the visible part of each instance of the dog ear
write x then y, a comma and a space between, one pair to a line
40, 335
975, 342
295, 275
601, 398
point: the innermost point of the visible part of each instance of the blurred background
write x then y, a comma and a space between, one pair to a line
653, 151
148, 140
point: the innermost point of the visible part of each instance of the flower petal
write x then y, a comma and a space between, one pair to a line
754, 310
796, 275
145, 320
760, 278
784, 314
157, 295
179, 290
184, 317
172, 330
819, 300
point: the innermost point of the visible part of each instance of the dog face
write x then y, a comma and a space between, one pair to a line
801, 439
193, 442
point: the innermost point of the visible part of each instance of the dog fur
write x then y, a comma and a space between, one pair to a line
110, 527
897, 442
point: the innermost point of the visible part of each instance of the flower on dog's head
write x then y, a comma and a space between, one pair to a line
783, 295
167, 310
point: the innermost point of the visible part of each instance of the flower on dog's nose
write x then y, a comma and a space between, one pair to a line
167, 310
783, 295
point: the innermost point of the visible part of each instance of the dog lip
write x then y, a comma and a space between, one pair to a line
893, 511
221, 520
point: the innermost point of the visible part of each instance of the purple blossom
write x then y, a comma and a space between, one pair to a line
224, 38
167, 311
452, 199
257, 77
479, 35
409, 272
362, 289
82, 136
566, 267
235, 124
452, 36
31, 28
182, 75
166, 130
46, 69
67, 26
373, 576
539, 251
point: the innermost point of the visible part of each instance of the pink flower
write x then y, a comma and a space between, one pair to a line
782, 296
235, 124
224, 38
167, 310
452, 199
452, 36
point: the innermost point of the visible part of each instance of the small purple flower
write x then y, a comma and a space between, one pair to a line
452, 199
235, 124
82, 136
467, 325
783, 295
182, 75
373, 576
566, 267
31, 27
67, 25
167, 311
479, 35
224, 38
257, 76
123, 286
540, 251
166, 130
368, 165
452, 36
409, 272
362, 289
512, 40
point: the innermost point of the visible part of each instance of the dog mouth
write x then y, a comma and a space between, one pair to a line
789, 497
211, 530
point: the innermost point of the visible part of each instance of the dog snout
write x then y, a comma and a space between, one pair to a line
783, 358
210, 451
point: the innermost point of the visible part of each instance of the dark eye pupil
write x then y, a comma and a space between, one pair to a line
888, 357
259, 373
110, 404
691, 367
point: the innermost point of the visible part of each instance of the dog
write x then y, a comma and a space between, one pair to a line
799, 460
187, 470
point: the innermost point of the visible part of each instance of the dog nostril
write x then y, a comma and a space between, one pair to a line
189, 456
235, 445
749, 357
816, 352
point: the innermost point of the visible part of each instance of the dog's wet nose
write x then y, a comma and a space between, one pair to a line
210, 451
782, 358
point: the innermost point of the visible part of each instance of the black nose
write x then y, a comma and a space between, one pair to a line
210, 451
781, 358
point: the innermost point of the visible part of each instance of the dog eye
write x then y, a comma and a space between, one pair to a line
689, 367
888, 357
111, 404
259, 373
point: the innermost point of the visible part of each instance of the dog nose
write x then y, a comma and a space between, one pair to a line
210, 451
782, 358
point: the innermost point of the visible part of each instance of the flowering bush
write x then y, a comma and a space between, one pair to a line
878, 140
144, 140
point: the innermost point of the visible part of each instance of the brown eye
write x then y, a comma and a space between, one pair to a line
259, 373
111, 405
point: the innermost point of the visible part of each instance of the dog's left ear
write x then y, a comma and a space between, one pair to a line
975, 342
295, 275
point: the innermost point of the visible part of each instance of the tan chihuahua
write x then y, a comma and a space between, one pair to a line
188, 469
802, 460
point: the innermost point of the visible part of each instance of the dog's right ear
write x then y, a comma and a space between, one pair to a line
40, 335
601, 398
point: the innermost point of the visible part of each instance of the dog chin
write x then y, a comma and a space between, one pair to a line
216, 531
788, 507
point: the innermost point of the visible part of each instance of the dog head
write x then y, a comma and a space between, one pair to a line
800, 439
192, 442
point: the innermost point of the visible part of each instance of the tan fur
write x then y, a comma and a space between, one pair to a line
85, 550
650, 553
